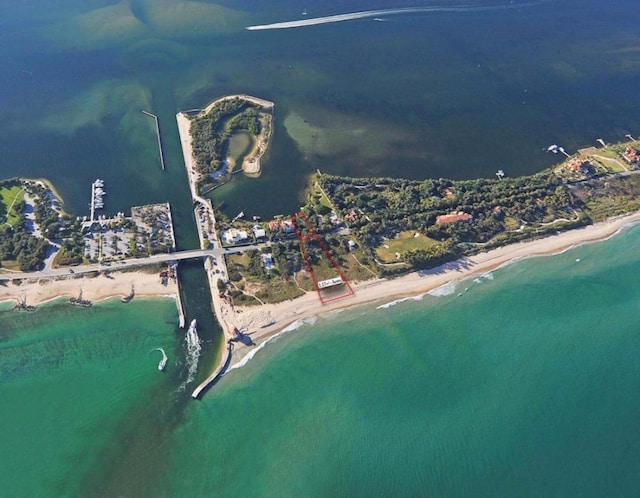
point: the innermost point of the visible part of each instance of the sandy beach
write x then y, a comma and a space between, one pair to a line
263, 322
117, 284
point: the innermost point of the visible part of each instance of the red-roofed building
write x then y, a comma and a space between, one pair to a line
453, 218
631, 155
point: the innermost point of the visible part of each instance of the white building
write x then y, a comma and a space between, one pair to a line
234, 236
259, 232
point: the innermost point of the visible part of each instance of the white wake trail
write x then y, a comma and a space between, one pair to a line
193, 351
384, 12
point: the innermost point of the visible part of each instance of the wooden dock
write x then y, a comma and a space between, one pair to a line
158, 135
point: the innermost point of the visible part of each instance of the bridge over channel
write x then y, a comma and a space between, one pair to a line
130, 263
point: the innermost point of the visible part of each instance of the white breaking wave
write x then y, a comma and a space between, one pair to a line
444, 290
294, 326
351, 16
193, 351
398, 301
486, 276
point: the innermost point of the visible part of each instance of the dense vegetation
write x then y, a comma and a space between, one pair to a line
210, 132
16, 242
383, 207
401, 216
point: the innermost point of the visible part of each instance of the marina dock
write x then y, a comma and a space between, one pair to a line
158, 135
97, 193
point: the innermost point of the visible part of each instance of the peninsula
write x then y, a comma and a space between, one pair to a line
361, 240
355, 241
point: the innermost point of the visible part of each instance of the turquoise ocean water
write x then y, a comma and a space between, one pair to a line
519, 383
524, 385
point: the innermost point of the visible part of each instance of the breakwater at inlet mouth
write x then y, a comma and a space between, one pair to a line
352, 16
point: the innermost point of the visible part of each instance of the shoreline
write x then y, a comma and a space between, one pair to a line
42, 290
263, 323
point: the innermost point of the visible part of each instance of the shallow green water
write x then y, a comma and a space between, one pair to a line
78, 385
523, 385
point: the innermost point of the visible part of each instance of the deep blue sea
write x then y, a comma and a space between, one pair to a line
524, 385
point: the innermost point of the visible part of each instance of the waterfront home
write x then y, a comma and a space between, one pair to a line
453, 217
234, 236
631, 155
259, 232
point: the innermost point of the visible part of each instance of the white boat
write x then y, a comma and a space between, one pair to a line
193, 324
162, 364
163, 361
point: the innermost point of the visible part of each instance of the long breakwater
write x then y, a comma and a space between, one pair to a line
158, 135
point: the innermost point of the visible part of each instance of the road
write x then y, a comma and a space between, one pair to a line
130, 263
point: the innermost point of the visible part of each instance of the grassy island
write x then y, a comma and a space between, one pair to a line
231, 130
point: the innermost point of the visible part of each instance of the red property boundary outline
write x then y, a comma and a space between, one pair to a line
314, 235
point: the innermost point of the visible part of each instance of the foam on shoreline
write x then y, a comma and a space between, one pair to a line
290, 328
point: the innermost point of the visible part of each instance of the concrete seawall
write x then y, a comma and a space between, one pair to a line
217, 373
181, 319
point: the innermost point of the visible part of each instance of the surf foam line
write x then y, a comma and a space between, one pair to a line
351, 16
294, 326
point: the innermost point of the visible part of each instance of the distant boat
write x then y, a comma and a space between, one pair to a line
304, 12
163, 361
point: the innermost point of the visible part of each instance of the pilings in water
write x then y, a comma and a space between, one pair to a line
158, 134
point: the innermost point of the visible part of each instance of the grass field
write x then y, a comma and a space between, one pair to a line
406, 241
8, 198
272, 290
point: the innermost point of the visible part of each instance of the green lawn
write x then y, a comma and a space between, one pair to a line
8, 198
610, 160
406, 241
